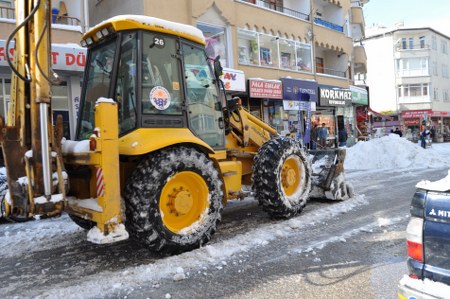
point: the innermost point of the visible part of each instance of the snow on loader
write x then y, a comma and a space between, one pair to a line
158, 150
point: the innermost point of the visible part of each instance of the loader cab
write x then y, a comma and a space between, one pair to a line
159, 80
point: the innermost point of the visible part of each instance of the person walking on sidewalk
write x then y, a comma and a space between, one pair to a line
314, 136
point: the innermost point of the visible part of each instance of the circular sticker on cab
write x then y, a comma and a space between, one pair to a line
160, 98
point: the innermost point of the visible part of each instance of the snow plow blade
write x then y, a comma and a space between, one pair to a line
328, 179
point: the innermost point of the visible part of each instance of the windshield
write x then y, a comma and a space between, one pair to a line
97, 83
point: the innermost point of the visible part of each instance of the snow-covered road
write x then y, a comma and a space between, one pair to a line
51, 258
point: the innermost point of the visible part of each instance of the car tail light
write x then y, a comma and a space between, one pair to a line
414, 234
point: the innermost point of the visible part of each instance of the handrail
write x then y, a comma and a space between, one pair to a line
332, 72
327, 24
279, 8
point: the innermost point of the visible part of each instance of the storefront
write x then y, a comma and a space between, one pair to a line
299, 102
68, 61
335, 110
357, 126
415, 120
265, 101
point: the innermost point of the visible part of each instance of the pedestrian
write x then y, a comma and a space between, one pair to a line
398, 132
342, 134
432, 133
323, 135
423, 135
314, 136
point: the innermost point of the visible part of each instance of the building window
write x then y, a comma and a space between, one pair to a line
413, 66
216, 42
304, 57
436, 94
411, 42
404, 46
445, 95
248, 47
287, 54
445, 71
265, 50
434, 68
422, 42
434, 42
444, 47
268, 51
413, 90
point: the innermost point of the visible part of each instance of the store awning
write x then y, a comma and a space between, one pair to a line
377, 114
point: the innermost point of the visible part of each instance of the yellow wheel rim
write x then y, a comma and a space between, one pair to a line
291, 175
183, 201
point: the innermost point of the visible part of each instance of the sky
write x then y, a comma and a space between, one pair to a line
387, 153
414, 13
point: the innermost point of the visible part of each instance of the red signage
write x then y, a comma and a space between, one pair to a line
64, 57
265, 89
415, 113
411, 122
440, 113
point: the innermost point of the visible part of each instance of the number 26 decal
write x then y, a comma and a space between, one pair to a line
159, 42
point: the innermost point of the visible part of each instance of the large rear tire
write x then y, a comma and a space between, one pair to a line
281, 177
174, 200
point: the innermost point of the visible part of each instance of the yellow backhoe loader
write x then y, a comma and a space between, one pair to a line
159, 150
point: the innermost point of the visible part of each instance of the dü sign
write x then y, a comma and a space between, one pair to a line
63, 57
265, 89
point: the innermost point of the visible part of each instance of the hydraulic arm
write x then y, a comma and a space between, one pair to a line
32, 157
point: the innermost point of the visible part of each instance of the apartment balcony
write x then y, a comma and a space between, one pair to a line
330, 72
9, 13
360, 59
358, 23
65, 29
271, 5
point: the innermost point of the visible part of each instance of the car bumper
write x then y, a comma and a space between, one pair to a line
407, 292
410, 288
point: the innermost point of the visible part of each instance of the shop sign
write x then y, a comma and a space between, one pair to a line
439, 113
334, 96
265, 89
63, 57
411, 122
234, 80
359, 95
299, 90
415, 113
298, 105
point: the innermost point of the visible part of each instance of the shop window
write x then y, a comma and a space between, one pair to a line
304, 57
248, 47
268, 50
216, 42
287, 54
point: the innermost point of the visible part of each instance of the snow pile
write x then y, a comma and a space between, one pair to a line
392, 152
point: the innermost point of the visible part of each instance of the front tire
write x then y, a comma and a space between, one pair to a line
281, 177
174, 200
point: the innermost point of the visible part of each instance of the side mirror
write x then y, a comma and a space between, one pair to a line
218, 69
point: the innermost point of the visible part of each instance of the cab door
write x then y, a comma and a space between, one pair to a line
204, 109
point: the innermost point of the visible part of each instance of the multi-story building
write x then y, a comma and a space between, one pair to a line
284, 56
408, 72
68, 58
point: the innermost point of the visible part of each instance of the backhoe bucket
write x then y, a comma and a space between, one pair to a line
328, 180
